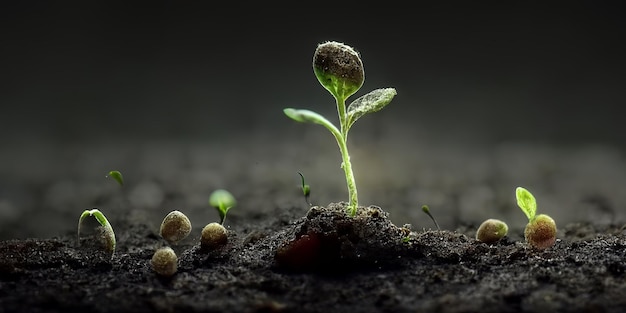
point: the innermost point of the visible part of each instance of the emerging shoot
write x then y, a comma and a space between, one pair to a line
222, 201
427, 211
117, 176
175, 227
306, 190
491, 230
338, 67
107, 236
164, 262
540, 232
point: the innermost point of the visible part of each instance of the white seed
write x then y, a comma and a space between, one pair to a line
175, 227
164, 262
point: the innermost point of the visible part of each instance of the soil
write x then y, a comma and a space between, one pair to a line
284, 256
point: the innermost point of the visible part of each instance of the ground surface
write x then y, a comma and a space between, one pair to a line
46, 187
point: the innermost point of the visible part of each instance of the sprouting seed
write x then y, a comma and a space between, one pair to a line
108, 236
540, 232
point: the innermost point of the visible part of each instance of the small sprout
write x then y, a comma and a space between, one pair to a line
175, 227
164, 262
107, 236
540, 232
427, 211
339, 69
491, 230
213, 236
222, 200
306, 190
117, 176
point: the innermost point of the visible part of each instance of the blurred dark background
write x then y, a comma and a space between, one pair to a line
103, 71
186, 98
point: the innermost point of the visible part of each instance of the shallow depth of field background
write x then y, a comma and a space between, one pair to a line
178, 97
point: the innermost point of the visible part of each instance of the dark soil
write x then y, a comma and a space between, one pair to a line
283, 256
357, 264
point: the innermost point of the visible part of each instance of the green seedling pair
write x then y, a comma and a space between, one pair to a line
539, 233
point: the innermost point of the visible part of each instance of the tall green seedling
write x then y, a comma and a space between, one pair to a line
338, 67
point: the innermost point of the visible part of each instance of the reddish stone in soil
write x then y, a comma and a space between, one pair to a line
301, 253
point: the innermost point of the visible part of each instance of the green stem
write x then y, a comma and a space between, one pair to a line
342, 141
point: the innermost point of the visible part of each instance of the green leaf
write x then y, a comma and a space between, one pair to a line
117, 176
369, 103
222, 201
305, 116
526, 201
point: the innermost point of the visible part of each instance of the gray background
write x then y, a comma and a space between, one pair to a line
187, 99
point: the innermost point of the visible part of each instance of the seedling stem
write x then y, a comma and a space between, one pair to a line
427, 211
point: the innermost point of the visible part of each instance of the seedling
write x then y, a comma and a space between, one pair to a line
306, 190
427, 211
117, 176
491, 230
175, 227
164, 262
222, 201
338, 67
540, 232
107, 235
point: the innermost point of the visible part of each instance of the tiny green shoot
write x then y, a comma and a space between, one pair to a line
222, 200
117, 176
306, 190
338, 67
108, 234
426, 210
540, 232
